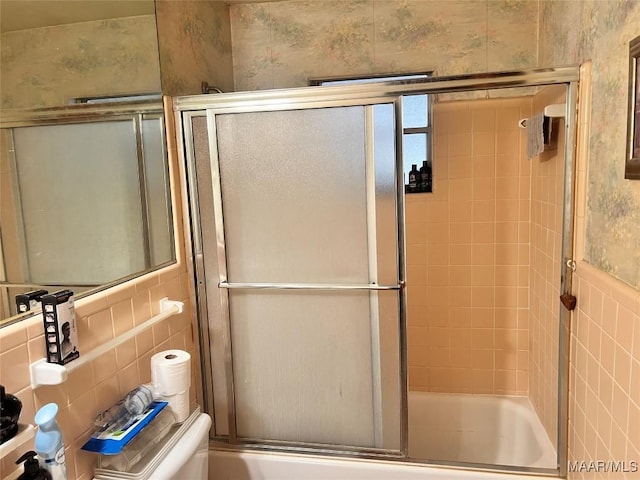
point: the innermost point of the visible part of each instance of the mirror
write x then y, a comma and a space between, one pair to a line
85, 200
85, 197
84, 188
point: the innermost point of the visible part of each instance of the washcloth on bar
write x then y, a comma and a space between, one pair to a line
535, 135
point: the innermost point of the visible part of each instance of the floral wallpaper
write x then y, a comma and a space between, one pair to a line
283, 44
601, 31
45, 67
195, 46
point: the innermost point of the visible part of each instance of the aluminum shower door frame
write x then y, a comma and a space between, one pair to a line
305, 97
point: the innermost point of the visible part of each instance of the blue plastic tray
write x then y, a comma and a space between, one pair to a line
115, 442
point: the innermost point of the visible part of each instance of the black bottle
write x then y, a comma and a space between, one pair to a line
426, 177
32, 469
10, 407
414, 179
423, 177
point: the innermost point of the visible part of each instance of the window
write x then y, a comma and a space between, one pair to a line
124, 98
416, 129
416, 135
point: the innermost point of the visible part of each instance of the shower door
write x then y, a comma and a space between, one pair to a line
298, 258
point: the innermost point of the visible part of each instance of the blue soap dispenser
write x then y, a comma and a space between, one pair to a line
48, 442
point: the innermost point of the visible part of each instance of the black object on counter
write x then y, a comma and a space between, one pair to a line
32, 469
10, 407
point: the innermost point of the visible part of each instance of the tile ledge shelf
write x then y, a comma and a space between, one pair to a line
25, 433
44, 373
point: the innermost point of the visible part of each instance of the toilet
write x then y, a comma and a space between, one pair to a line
187, 459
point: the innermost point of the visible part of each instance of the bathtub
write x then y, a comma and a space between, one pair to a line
488, 429
228, 465
442, 428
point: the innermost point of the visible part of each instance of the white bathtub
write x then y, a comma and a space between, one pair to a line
226, 465
486, 429
442, 427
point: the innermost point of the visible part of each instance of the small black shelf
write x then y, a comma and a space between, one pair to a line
407, 191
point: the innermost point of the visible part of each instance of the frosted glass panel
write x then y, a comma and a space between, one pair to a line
385, 306
302, 366
75, 156
293, 195
302, 204
157, 182
385, 194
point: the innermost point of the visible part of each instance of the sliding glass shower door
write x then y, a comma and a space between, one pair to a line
299, 251
297, 215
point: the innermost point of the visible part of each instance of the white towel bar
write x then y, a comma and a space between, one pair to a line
44, 373
557, 110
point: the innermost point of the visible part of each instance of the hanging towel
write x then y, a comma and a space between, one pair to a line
535, 135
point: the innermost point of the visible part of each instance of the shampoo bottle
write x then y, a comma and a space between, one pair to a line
422, 185
48, 442
414, 179
427, 177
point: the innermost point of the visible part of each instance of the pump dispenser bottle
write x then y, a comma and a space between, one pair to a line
32, 469
48, 442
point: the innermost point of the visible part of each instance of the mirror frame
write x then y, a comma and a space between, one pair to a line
632, 164
76, 113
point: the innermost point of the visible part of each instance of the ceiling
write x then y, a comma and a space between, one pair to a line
23, 14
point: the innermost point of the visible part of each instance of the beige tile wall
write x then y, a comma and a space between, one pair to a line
604, 393
546, 250
468, 254
101, 317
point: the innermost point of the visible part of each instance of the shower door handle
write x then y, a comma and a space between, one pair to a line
309, 286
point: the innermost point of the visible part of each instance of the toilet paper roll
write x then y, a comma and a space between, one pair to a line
171, 372
179, 404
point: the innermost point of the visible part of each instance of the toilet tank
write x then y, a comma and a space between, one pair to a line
189, 457
181, 455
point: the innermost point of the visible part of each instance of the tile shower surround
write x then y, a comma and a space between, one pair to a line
468, 254
604, 375
547, 182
